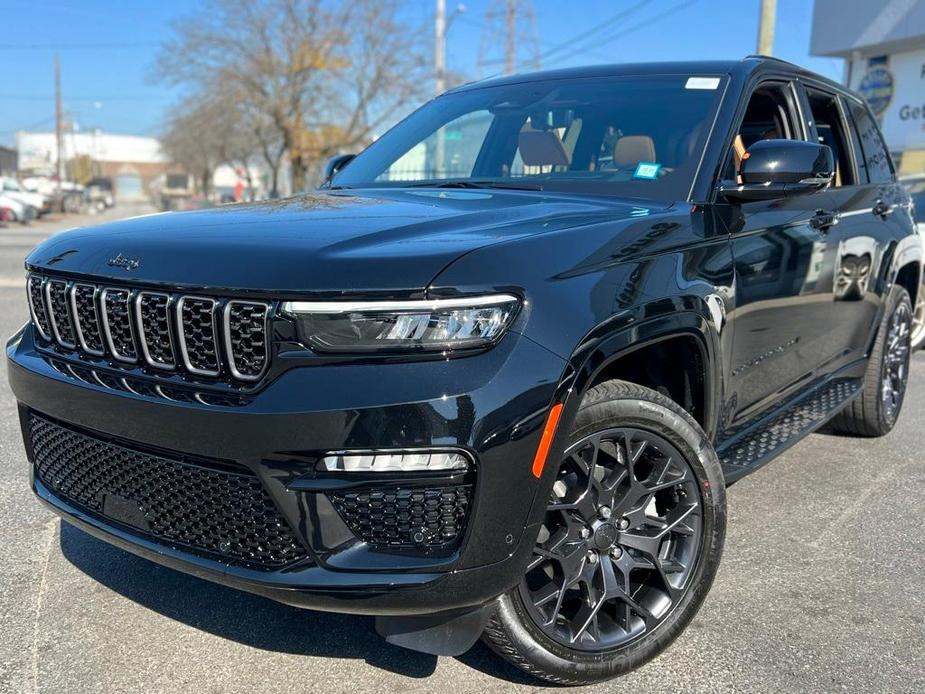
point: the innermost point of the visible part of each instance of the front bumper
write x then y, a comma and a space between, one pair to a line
493, 405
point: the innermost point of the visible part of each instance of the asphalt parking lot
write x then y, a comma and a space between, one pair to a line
822, 587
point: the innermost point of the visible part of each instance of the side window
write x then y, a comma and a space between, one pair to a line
768, 116
875, 156
863, 176
831, 131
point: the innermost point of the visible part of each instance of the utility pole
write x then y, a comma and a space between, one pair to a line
440, 47
510, 42
511, 26
440, 69
766, 27
59, 123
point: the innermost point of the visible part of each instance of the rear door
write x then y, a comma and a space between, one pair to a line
862, 197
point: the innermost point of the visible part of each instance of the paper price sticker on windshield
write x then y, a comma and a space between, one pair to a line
647, 169
702, 83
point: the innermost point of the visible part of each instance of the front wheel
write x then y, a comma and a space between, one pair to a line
629, 546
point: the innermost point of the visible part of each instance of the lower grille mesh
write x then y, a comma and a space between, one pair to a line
431, 517
209, 510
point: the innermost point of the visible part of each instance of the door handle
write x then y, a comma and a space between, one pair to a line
882, 209
823, 221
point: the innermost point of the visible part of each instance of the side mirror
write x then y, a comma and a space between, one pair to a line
780, 168
335, 164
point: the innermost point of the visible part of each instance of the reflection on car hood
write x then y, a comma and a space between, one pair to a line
393, 240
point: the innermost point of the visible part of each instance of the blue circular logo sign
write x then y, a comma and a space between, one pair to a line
877, 87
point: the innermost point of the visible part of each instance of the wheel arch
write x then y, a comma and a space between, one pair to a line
614, 354
906, 265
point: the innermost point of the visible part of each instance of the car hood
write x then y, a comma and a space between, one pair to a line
376, 241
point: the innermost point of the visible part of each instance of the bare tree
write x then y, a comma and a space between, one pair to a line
314, 78
192, 140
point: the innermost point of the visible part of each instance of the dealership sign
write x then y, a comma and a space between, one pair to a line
894, 86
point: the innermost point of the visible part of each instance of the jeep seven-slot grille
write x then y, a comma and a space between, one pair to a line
59, 313
209, 508
87, 318
36, 295
198, 343
203, 336
154, 325
117, 322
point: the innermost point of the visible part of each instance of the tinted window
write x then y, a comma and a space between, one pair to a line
879, 168
831, 132
639, 137
768, 116
856, 145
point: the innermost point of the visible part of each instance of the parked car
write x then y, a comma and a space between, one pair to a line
99, 194
14, 189
16, 209
67, 196
494, 379
915, 184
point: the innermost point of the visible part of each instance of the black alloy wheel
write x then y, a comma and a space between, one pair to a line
619, 543
883, 387
895, 367
628, 544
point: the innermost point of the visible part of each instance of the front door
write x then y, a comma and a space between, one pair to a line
783, 284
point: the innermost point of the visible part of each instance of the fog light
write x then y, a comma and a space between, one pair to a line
421, 461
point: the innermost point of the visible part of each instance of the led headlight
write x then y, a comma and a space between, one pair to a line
418, 325
424, 461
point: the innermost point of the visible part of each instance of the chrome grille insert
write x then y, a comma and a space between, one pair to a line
245, 329
117, 324
59, 313
36, 293
86, 313
152, 310
197, 335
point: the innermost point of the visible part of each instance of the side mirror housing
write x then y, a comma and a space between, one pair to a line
780, 168
335, 164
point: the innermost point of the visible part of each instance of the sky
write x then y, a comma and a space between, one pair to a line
107, 48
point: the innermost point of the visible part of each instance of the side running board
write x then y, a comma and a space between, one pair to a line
762, 441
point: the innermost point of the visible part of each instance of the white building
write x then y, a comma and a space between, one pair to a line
135, 164
131, 162
883, 44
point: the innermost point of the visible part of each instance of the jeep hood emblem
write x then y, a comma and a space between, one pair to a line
123, 262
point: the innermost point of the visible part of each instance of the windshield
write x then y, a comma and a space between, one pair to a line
628, 136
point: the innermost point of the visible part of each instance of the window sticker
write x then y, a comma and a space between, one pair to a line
647, 169
702, 83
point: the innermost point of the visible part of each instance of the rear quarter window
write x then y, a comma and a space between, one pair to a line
876, 158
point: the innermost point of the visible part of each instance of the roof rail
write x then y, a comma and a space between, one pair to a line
759, 56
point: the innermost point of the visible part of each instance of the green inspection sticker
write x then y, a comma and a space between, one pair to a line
647, 169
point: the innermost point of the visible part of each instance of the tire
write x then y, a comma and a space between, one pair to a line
918, 322
619, 637
873, 413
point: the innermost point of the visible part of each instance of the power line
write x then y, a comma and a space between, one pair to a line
39, 124
112, 97
76, 46
636, 27
586, 35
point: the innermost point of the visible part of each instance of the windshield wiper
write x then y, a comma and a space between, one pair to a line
504, 185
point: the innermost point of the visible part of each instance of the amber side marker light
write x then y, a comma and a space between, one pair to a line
549, 431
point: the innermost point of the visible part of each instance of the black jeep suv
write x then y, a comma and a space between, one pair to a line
494, 378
